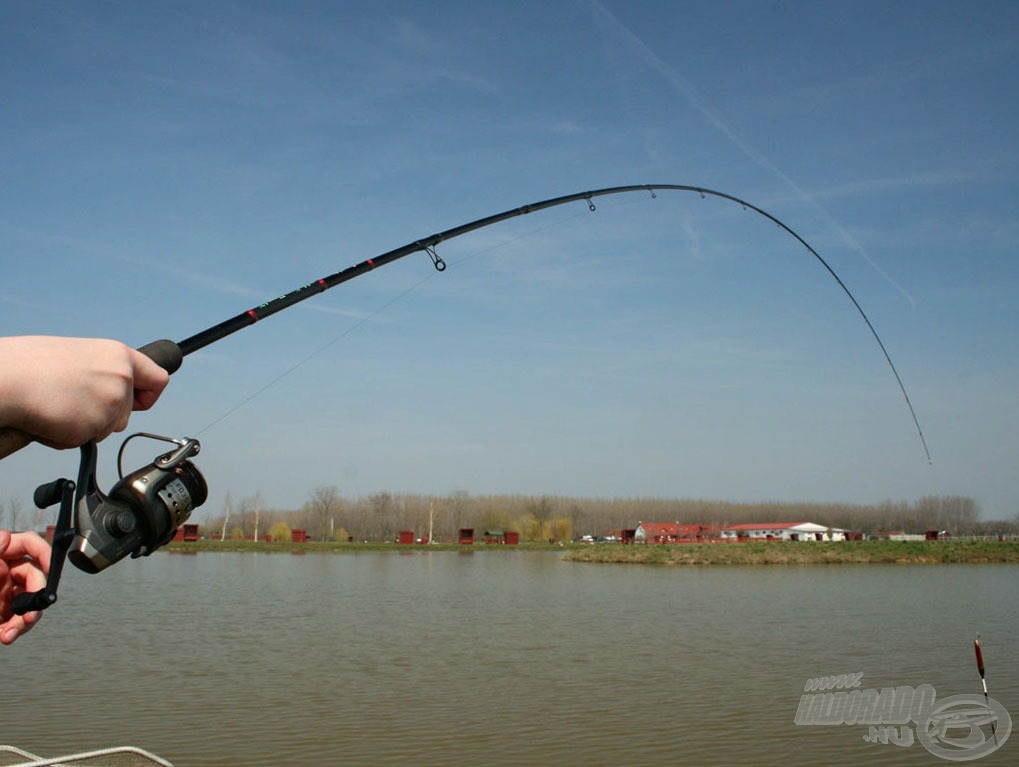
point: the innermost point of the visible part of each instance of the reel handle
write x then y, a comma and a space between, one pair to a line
34, 601
49, 494
164, 353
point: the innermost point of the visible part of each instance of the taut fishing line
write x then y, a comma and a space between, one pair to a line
300, 363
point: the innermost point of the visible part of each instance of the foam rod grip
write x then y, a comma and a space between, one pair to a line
164, 353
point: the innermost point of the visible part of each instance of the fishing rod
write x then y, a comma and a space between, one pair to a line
146, 506
167, 356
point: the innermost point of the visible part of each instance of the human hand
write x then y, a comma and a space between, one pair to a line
24, 564
67, 391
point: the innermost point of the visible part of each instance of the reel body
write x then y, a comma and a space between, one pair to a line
141, 513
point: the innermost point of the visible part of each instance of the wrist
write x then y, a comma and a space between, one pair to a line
26, 383
13, 395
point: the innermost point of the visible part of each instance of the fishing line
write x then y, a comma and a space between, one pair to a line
320, 350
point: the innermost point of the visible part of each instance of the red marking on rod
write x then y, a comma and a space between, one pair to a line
371, 263
323, 284
253, 314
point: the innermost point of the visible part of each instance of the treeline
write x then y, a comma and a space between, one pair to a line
327, 515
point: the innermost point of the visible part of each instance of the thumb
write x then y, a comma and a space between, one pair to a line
5, 541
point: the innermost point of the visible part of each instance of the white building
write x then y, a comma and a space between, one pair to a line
783, 531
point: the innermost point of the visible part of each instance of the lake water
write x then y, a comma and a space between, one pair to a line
495, 658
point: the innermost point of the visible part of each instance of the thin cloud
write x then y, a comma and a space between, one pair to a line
689, 93
927, 179
215, 282
15, 301
210, 282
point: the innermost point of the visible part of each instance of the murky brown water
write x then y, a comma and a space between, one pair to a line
494, 658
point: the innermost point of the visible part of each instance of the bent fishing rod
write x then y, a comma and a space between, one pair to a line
144, 508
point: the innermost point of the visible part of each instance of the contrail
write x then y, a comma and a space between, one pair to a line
689, 93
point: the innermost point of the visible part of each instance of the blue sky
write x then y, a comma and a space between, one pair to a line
166, 166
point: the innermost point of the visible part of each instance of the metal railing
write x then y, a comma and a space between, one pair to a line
121, 756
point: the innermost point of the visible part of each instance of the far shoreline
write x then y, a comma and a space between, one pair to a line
958, 551
968, 551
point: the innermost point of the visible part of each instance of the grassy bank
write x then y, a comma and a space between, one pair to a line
814, 553
332, 547
773, 553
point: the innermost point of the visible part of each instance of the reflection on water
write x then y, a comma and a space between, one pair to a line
494, 658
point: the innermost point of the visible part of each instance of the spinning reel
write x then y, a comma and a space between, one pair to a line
141, 513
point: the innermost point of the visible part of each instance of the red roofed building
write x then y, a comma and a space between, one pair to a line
671, 532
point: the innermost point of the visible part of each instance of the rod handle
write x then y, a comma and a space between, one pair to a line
164, 353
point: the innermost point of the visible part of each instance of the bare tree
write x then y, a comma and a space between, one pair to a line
323, 503
14, 511
961, 515
228, 506
382, 520
457, 504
